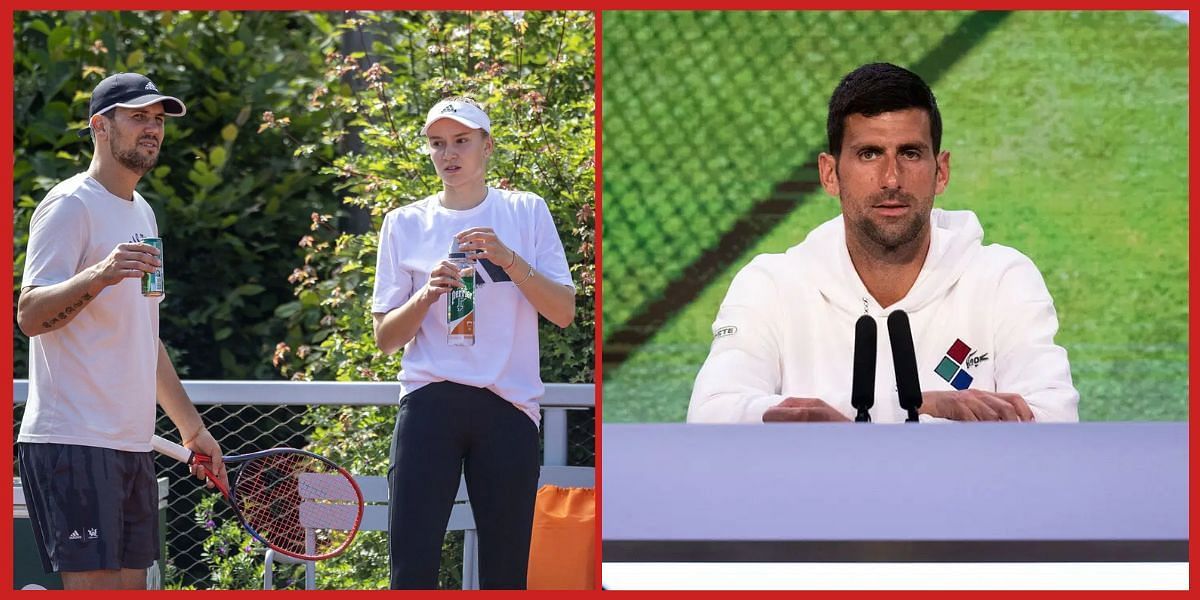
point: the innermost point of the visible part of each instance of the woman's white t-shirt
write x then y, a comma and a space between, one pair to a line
505, 357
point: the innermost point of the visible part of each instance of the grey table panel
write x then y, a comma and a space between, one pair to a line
993, 491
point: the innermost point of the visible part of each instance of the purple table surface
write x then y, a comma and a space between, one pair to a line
852, 482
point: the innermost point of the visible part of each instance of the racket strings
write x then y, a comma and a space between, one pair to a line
297, 503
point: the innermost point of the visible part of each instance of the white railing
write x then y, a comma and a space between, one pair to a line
279, 403
559, 398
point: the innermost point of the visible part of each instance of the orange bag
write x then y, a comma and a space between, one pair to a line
562, 552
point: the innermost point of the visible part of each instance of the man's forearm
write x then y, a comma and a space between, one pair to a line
43, 309
174, 400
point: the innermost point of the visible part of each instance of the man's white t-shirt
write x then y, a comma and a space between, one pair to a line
91, 382
505, 357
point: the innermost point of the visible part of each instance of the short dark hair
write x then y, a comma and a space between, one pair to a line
877, 88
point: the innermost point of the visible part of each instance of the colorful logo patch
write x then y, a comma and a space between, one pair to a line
952, 368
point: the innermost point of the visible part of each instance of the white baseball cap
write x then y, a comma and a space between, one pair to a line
464, 112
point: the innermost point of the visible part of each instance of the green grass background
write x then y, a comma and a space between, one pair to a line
1068, 133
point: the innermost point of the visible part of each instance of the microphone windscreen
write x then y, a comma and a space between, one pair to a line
904, 358
862, 385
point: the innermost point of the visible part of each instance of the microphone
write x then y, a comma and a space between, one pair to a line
862, 386
908, 382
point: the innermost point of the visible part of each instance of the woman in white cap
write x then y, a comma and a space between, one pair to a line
473, 408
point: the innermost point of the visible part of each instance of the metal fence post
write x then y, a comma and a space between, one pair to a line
554, 423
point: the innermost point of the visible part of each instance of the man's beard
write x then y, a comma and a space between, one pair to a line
893, 237
133, 159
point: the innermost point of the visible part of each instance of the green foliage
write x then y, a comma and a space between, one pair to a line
285, 124
230, 205
234, 558
534, 74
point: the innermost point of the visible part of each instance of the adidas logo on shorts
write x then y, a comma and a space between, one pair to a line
75, 535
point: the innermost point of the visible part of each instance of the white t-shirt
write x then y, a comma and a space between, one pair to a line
504, 358
92, 382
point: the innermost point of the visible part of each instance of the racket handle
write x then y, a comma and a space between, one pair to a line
172, 449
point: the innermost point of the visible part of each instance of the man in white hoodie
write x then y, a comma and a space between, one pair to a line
982, 319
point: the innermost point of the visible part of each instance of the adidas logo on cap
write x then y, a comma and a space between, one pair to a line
150, 86
450, 108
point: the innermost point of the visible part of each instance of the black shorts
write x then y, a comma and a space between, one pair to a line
91, 508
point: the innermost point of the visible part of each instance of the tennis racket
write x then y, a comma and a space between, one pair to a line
295, 502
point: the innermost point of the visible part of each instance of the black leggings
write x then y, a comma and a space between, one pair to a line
444, 429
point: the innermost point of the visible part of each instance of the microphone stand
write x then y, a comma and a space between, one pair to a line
912, 410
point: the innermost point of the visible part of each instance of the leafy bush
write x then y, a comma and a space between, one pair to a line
230, 204
284, 125
534, 74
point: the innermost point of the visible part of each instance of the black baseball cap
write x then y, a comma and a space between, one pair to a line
129, 90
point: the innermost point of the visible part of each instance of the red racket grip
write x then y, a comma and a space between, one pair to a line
189, 458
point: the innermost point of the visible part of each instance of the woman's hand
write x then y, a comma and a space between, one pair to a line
444, 277
486, 244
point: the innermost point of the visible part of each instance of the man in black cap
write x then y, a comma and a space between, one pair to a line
96, 365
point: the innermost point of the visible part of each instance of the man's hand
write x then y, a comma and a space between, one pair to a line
975, 405
42, 309
809, 410
126, 260
204, 443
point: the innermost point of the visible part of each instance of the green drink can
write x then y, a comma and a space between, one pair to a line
152, 283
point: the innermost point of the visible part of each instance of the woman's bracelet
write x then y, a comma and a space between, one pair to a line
527, 276
514, 260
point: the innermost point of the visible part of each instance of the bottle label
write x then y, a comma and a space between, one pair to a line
462, 307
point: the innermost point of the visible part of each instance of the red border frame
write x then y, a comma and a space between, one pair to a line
598, 231
6, 130
6, 257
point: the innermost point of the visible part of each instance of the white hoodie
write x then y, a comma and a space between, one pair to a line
980, 315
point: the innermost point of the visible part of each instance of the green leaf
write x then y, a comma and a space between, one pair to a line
217, 156
40, 25
249, 289
287, 310
309, 298
56, 40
